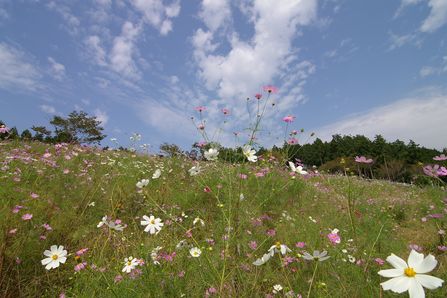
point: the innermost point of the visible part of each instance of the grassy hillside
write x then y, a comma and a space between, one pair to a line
57, 195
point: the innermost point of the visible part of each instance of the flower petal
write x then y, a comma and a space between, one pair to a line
427, 265
429, 282
416, 290
47, 253
397, 285
396, 262
391, 272
46, 261
415, 259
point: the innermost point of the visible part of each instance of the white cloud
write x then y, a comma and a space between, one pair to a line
48, 109
96, 50
158, 14
123, 51
57, 69
17, 72
434, 70
101, 116
397, 41
421, 119
248, 65
72, 22
215, 13
437, 17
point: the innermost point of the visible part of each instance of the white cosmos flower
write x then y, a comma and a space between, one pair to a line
199, 220
211, 154
277, 288
249, 153
156, 174
142, 183
195, 170
56, 255
153, 225
410, 276
298, 169
195, 252
263, 259
129, 264
102, 222
279, 248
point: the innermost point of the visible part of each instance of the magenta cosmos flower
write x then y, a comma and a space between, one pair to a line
270, 89
288, 119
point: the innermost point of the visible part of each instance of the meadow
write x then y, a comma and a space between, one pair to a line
218, 229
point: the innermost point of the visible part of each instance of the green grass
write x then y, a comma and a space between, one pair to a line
375, 219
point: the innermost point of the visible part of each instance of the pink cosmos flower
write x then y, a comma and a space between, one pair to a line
80, 266
253, 245
442, 171
225, 111
442, 248
207, 189
430, 170
363, 159
42, 237
270, 89
201, 126
243, 176
34, 195
294, 132
292, 141
81, 251
300, 244
200, 109
260, 174
27, 216
334, 238
47, 227
271, 232
288, 119
4, 129
379, 261
12, 232
118, 278
440, 157
258, 96
16, 209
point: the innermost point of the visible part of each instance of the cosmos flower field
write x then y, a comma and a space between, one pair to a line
80, 222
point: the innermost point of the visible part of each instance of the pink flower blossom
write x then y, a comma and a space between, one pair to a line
42, 237
292, 141
225, 111
118, 278
253, 245
288, 119
27, 216
207, 189
442, 171
362, 159
270, 89
80, 266
271, 232
334, 238
4, 129
440, 157
379, 261
200, 109
47, 227
243, 176
294, 132
12, 232
34, 195
430, 170
442, 248
258, 96
16, 209
81, 251
300, 244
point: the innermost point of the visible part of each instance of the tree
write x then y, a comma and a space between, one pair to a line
41, 133
26, 135
171, 149
78, 128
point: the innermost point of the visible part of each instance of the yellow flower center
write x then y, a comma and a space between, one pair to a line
278, 245
54, 257
153, 222
129, 263
410, 272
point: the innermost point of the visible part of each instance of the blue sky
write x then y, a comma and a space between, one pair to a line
341, 66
